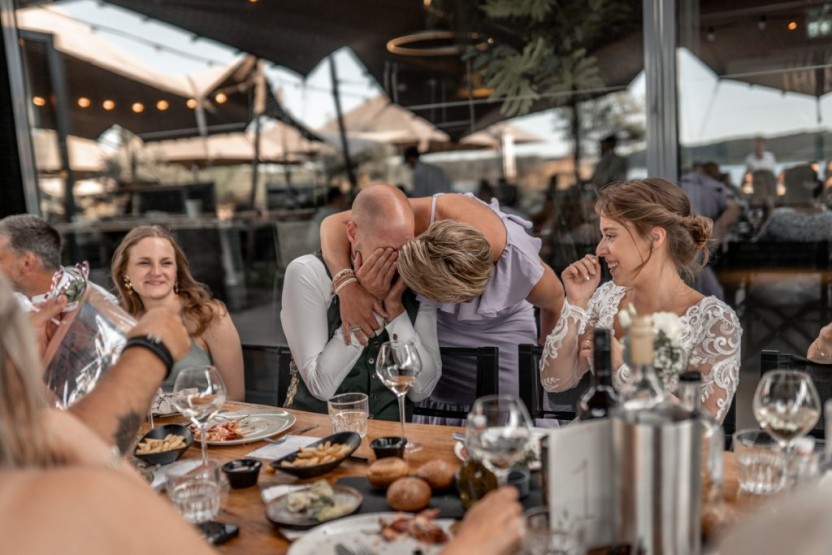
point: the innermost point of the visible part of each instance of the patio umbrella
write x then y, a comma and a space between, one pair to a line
85, 155
381, 121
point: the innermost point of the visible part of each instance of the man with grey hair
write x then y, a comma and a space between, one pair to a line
30, 254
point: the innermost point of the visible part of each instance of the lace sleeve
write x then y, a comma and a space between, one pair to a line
716, 354
559, 369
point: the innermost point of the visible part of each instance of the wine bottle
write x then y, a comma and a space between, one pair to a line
713, 437
601, 397
646, 391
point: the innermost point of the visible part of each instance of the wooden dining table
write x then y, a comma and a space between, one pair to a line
246, 509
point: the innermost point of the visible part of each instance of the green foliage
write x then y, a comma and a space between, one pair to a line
540, 48
537, 10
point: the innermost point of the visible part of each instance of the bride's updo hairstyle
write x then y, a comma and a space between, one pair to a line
642, 204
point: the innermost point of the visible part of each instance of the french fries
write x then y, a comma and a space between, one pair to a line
320, 454
149, 446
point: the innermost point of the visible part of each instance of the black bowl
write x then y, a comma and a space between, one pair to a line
242, 473
345, 438
160, 432
388, 446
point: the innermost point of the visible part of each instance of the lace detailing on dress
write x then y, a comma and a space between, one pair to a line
571, 318
711, 341
559, 368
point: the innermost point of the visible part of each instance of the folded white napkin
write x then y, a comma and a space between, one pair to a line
292, 444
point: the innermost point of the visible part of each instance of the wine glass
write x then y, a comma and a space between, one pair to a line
198, 394
498, 433
787, 406
397, 366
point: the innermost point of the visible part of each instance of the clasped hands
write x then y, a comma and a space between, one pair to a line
374, 299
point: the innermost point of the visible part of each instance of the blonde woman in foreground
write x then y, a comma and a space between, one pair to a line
650, 242
480, 268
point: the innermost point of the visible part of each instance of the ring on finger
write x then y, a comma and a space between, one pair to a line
355, 329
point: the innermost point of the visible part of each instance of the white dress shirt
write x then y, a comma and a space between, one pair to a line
323, 360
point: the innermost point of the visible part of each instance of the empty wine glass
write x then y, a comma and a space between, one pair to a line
198, 394
397, 366
787, 406
498, 433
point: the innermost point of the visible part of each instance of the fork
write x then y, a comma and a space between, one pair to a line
280, 440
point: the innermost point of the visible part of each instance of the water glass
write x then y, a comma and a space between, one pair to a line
197, 494
541, 539
349, 413
761, 462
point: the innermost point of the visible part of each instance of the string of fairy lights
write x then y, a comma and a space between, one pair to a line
218, 97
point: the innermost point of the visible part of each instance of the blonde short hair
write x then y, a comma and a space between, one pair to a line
23, 437
449, 263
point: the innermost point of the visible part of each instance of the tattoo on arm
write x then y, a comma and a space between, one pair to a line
128, 427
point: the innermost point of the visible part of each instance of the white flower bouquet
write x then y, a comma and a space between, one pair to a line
669, 358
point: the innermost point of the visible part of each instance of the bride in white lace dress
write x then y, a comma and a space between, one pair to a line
650, 240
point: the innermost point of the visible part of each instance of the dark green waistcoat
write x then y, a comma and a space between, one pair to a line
362, 378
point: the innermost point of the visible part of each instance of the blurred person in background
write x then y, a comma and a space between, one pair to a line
802, 217
611, 167
148, 270
428, 179
760, 159
713, 199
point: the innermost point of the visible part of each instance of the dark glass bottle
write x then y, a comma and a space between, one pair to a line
601, 397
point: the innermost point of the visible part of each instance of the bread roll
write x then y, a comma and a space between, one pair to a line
385, 471
408, 494
437, 473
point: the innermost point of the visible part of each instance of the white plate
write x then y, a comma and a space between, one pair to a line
254, 424
354, 531
534, 465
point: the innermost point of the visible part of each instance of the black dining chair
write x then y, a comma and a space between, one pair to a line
820, 373
751, 273
485, 361
266, 373
542, 404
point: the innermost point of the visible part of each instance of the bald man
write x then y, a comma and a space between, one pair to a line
325, 364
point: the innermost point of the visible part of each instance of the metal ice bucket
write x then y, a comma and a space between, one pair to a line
657, 458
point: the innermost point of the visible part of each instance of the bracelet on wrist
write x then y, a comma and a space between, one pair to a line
344, 284
155, 346
343, 273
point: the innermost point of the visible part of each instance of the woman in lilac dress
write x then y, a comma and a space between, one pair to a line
481, 269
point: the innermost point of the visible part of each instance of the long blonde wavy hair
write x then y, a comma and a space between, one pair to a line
198, 305
449, 263
23, 438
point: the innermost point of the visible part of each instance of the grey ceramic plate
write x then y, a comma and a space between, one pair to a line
280, 516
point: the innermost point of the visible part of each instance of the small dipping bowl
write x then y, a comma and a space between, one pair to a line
388, 446
520, 478
242, 473
161, 432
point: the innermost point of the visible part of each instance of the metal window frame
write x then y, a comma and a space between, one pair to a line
662, 98
23, 132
